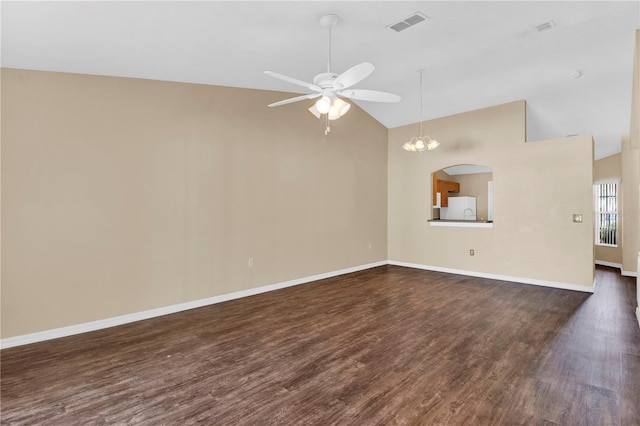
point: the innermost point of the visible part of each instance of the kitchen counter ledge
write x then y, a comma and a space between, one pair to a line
461, 223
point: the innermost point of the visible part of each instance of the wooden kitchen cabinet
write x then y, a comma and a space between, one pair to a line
444, 187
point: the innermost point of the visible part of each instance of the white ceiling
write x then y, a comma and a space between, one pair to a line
467, 169
475, 54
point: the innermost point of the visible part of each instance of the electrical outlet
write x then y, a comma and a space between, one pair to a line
251, 262
472, 252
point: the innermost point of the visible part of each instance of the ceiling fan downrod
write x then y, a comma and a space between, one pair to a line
329, 21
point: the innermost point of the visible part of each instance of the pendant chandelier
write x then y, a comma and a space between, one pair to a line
421, 142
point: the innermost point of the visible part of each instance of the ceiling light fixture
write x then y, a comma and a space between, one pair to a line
421, 142
334, 108
323, 105
329, 88
338, 109
329, 103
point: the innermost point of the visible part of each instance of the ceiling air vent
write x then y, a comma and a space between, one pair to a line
408, 22
546, 26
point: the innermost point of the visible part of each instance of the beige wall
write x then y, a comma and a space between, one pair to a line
631, 176
635, 141
1, 204
122, 195
537, 188
630, 203
442, 175
609, 169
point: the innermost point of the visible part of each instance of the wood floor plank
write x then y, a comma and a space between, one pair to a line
389, 345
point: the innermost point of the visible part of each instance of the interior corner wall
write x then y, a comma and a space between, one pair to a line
635, 135
0, 203
122, 195
537, 187
606, 170
631, 177
630, 203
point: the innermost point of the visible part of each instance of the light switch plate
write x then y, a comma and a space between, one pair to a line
577, 218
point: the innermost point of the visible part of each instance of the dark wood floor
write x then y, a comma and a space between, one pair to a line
385, 346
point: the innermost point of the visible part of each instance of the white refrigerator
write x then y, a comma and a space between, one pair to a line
460, 208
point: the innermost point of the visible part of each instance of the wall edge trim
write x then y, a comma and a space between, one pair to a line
638, 315
86, 327
520, 280
628, 273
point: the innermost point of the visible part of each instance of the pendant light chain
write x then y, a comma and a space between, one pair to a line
421, 142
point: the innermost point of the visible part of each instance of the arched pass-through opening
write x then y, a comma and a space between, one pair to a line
462, 193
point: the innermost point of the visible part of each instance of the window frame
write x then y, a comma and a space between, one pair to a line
611, 192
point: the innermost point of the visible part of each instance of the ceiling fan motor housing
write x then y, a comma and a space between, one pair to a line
325, 80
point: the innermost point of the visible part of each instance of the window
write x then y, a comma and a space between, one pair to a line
606, 214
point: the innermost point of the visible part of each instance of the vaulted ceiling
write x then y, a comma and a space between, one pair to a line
475, 54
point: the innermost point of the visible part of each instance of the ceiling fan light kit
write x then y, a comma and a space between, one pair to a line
337, 108
331, 87
323, 105
421, 142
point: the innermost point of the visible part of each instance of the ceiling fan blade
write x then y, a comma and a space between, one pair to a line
294, 81
296, 99
370, 95
354, 75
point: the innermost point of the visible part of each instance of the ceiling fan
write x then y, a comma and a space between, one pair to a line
331, 87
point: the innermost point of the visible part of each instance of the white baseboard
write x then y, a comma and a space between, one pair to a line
166, 310
638, 315
544, 283
617, 265
610, 264
152, 313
